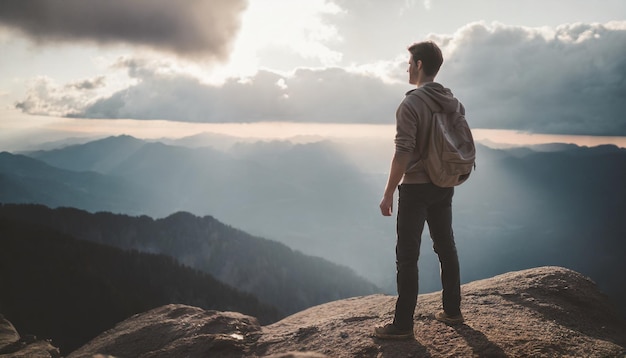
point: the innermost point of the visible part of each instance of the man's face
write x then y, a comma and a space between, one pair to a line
412, 70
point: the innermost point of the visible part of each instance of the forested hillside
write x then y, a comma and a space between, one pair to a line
68, 290
277, 275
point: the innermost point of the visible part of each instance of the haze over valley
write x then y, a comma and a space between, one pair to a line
523, 207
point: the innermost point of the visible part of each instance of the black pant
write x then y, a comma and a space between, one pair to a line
419, 203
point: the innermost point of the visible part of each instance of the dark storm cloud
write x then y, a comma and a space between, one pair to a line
195, 27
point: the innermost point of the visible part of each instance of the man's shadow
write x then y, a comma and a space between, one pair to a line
480, 344
402, 348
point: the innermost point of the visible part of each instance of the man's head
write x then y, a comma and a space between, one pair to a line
425, 56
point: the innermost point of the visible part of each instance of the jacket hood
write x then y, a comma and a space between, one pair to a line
438, 97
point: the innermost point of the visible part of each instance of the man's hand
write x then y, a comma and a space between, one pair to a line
386, 205
398, 166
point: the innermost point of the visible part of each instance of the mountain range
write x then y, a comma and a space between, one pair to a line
522, 207
277, 275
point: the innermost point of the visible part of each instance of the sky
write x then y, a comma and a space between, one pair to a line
534, 68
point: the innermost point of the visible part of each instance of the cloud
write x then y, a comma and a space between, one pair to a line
568, 80
46, 97
565, 80
198, 28
88, 84
331, 95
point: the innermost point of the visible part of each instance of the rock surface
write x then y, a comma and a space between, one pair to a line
541, 312
14, 346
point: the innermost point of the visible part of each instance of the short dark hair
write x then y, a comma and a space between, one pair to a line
430, 55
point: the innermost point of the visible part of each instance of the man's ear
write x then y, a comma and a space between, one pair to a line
419, 65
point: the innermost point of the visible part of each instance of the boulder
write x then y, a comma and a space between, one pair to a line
15, 346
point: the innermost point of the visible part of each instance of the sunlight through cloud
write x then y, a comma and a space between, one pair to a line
286, 27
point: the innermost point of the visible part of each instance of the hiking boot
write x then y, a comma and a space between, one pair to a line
389, 331
442, 316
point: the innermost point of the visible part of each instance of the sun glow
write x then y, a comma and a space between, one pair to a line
288, 27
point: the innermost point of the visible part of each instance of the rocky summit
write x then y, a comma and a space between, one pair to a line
540, 312
15, 346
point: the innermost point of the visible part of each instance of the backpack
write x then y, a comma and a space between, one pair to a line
450, 153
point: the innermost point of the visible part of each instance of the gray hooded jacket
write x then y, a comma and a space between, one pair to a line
413, 120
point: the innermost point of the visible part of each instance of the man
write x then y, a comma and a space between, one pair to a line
420, 200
